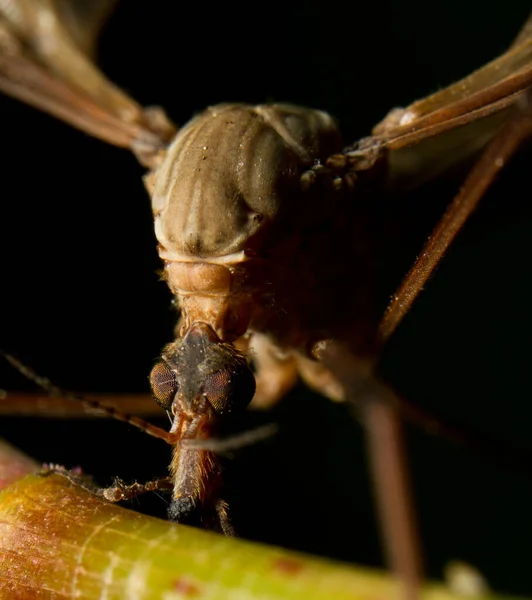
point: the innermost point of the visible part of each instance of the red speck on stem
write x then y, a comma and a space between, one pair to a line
187, 588
288, 566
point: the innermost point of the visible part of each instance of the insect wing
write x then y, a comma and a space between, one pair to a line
84, 20
506, 75
435, 133
42, 64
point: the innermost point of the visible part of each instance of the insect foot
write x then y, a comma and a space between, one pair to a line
76, 476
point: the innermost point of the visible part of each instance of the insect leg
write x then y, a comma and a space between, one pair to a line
275, 374
51, 389
121, 491
374, 403
393, 491
492, 160
117, 492
34, 403
233, 442
222, 511
320, 378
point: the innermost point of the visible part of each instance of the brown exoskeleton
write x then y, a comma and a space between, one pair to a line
245, 200
247, 252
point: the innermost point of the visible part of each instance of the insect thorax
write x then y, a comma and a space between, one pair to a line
228, 204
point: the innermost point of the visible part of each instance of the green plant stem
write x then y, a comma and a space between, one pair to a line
59, 541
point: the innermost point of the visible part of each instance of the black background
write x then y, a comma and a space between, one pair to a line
82, 303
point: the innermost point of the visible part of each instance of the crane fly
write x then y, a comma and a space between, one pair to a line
248, 251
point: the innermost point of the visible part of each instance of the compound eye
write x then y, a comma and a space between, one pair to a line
229, 390
163, 383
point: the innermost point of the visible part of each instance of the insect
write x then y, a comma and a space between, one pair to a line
76, 262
